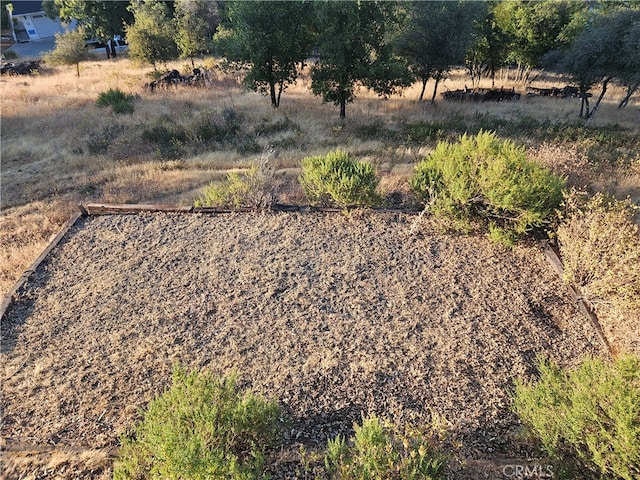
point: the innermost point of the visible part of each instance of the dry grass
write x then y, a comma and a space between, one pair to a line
60, 149
51, 129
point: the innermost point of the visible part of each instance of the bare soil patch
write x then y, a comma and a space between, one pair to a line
334, 315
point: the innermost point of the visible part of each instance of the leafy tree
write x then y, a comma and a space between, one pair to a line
354, 50
596, 55
436, 36
488, 52
536, 28
271, 39
196, 22
69, 49
152, 36
100, 19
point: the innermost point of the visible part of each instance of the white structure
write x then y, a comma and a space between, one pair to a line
29, 22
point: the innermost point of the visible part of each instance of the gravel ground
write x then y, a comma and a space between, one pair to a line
334, 315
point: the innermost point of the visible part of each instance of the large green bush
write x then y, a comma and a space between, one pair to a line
339, 179
589, 416
378, 451
201, 428
482, 178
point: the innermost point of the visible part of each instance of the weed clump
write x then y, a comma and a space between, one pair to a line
252, 188
485, 180
169, 138
600, 246
339, 179
378, 450
202, 427
119, 101
224, 130
588, 418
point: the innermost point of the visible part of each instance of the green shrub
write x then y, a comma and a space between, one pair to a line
252, 188
170, 138
377, 451
425, 132
100, 141
119, 101
589, 416
198, 429
485, 179
338, 179
600, 247
9, 55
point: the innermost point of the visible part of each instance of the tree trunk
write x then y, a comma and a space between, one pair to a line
343, 109
272, 92
424, 86
584, 102
591, 114
272, 86
280, 88
631, 89
435, 88
78, 68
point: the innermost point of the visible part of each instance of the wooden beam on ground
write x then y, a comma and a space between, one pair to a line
556, 263
107, 209
111, 209
8, 300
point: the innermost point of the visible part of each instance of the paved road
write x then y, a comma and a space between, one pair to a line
34, 49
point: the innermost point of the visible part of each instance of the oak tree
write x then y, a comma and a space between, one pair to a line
270, 40
354, 50
152, 36
435, 36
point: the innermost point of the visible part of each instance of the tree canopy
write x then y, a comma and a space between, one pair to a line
69, 49
597, 54
436, 36
196, 23
270, 39
152, 36
534, 29
354, 50
100, 19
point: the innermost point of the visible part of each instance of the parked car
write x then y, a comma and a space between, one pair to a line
99, 48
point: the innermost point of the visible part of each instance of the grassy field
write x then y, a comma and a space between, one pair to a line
60, 149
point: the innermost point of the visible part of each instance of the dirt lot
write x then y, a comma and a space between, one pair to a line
334, 315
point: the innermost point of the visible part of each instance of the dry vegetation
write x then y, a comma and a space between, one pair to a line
59, 149
334, 316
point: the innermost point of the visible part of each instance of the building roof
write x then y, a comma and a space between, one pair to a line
23, 7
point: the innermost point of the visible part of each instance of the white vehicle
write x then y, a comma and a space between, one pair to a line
99, 48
